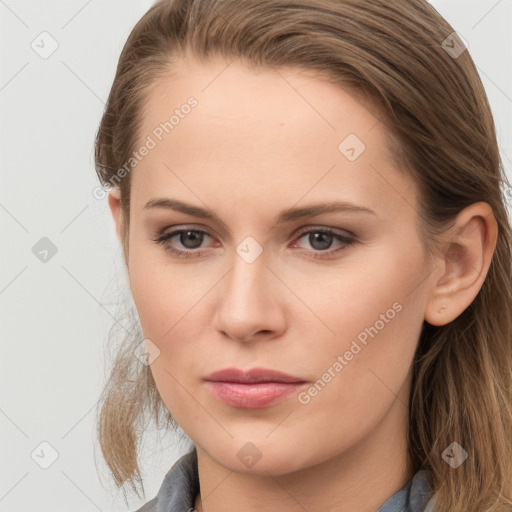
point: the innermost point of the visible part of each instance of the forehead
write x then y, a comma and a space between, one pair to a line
255, 97
262, 130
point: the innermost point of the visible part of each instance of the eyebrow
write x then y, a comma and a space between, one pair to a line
287, 215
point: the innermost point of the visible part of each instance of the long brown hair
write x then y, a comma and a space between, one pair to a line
397, 53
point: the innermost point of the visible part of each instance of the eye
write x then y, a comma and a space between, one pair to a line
321, 239
191, 239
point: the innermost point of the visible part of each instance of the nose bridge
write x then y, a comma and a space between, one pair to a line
247, 277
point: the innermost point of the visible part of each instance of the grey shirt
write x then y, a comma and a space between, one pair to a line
181, 486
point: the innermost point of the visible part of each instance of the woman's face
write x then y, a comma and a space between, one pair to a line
336, 299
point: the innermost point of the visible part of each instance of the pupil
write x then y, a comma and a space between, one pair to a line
193, 236
325, 240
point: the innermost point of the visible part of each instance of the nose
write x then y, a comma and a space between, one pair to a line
250, 302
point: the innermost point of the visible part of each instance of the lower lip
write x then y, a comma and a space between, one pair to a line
253, 396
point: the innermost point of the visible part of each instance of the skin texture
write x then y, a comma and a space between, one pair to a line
259, 142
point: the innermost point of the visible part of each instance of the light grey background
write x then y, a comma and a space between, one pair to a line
56, 314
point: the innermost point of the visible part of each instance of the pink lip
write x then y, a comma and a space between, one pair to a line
252, 375
256, 388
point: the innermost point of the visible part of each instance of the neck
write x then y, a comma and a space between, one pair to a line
361, 478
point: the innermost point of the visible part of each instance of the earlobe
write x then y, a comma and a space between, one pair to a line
114, 202
465, 258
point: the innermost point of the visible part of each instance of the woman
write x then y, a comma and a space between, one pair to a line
308, 197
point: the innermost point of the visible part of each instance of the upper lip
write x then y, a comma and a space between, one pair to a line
252, 375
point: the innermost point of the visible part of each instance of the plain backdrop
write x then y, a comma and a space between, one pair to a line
56, 313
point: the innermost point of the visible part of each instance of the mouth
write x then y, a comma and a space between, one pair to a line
252, 389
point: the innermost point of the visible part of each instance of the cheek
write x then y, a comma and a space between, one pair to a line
371, 319
166, 306
163, 291
379, 290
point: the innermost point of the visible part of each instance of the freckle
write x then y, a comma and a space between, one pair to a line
282, 124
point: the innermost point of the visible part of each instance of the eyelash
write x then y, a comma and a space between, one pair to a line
163, 237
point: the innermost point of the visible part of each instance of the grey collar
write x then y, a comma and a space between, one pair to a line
181, 486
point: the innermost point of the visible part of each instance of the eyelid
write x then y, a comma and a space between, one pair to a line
338, 231
174, 230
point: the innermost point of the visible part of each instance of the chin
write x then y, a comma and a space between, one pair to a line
260, 456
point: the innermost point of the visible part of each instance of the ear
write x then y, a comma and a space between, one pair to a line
114, 202
464, 260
